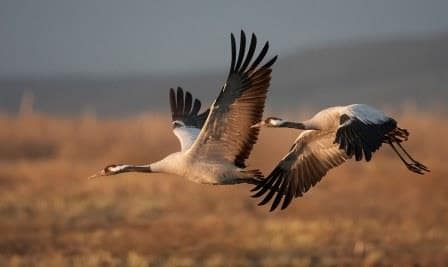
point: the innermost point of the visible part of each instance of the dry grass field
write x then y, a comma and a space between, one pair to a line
361, 214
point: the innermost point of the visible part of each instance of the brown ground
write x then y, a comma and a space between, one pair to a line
366, 214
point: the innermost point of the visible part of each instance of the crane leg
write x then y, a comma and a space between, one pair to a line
420, 165
412, 166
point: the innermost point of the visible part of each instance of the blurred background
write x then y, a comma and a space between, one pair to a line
85, 83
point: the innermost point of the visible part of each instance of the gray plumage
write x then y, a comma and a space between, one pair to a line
331, 137
216, 142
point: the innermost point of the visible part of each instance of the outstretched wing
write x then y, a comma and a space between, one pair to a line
310, 158
186, 119
362, 130
227, 134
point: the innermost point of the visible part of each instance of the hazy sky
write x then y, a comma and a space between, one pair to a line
115, 37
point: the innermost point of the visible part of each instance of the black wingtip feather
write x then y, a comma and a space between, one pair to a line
196, 107
271, 193
280, 193
185, 109
287, 199
172, 102
274, 185
289, 195
266, 185
233, 51
241, 52
180, 100
260, 57
269, 63
250, 53
188, 102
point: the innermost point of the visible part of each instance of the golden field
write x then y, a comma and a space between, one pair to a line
360, 214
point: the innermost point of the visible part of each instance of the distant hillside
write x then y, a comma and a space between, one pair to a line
382, 73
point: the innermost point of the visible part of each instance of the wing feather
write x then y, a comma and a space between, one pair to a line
358, 136
188, 102
186, 120
227, 134
313, 154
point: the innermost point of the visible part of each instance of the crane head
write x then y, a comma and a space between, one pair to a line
109, 170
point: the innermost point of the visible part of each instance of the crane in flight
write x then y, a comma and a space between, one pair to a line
216, 143
329, 138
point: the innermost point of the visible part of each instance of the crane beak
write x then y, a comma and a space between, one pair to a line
98, 174
257, 125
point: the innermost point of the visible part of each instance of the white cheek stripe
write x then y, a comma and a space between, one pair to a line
117, 168
277, 122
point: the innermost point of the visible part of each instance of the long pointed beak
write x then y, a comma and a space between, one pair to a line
257, 125
96, 175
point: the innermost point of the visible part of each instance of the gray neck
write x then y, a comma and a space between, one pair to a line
136, 168
294, 125
305, 125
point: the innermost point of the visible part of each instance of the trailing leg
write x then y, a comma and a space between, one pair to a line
420, 165
411, 166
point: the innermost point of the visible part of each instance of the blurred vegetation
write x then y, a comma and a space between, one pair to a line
361, 214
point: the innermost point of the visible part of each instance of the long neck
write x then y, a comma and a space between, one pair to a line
304, 125
135, 168
157, 166
164, 165
295, 125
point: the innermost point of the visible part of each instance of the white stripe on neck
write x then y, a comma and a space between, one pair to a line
118, 168
277, 122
